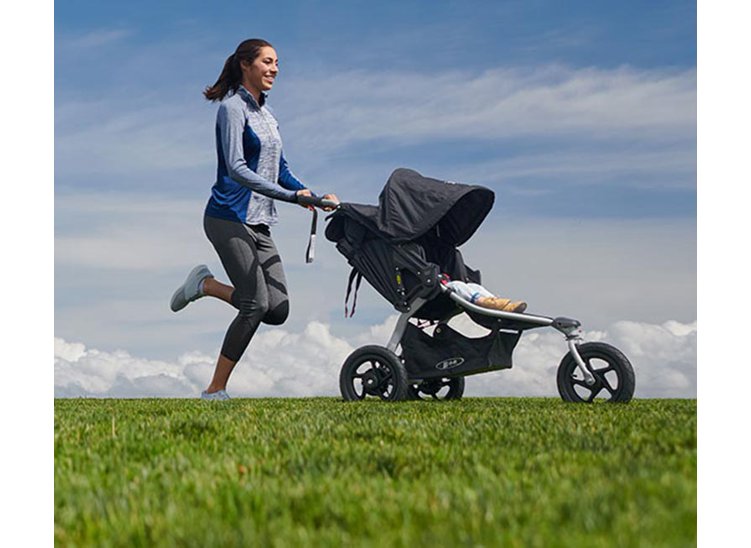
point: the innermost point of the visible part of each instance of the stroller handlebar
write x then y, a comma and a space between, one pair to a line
317, 201
321, 203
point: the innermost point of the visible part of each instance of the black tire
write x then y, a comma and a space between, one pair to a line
614, 375
373, 371
438, 389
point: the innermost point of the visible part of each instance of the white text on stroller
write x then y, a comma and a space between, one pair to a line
449, 363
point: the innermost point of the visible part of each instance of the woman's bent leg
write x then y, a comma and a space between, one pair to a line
273, 274
236, 246
214, 288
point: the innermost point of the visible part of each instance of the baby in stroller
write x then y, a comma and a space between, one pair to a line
477, 294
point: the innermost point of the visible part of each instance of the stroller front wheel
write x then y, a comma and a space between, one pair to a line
613, 375
373, 371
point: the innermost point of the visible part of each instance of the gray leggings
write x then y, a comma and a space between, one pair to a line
254, 267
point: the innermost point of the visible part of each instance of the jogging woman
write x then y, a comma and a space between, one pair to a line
252, 175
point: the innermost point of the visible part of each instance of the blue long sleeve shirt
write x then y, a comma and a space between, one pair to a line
251, 170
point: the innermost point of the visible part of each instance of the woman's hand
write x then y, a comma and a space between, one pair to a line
305, 192
331, 197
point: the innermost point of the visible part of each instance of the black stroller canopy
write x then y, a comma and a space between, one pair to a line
410, 205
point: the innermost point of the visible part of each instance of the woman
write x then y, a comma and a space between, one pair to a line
252, 175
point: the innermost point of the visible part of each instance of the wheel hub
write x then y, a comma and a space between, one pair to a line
372, 380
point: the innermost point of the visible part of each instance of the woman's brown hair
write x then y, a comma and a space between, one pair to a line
231, 76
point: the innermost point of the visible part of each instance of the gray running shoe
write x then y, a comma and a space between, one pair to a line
191, 289
218, 395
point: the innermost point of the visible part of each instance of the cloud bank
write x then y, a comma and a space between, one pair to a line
503, 102
281, 363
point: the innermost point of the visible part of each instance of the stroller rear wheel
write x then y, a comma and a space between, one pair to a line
614, 376
373, 371
438, 389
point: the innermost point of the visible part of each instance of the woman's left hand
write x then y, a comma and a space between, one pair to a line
331, 197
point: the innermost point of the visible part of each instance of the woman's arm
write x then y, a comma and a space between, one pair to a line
286, 178
231, 125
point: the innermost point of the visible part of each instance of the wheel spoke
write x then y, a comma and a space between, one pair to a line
607, 386
594, 393
580, 382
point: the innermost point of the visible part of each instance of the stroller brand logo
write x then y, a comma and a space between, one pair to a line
449, 363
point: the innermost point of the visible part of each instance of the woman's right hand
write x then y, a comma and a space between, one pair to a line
305, 192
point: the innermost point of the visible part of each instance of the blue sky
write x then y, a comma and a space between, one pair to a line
581, 116
135, 54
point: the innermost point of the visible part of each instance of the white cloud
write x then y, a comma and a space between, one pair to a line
642, 168
663, 357
92, 40
128, 135
140, 133
124, 231
281, 363
498, 103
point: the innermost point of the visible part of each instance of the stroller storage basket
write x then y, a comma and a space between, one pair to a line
448, 353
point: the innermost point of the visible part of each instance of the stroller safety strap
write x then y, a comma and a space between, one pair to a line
310, 252
352, 276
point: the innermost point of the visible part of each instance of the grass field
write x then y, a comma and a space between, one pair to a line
321, 472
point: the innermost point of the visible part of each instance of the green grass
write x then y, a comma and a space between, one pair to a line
321, 472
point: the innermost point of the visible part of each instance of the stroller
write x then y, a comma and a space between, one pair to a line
406, 248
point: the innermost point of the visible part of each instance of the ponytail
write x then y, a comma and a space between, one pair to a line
231, 76
228, 80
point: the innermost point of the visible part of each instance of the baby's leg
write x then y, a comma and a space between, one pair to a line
499, 303
479, 290
462, 289
477, 294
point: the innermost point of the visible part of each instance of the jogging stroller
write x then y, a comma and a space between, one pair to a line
406, 248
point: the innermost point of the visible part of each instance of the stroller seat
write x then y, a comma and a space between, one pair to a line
402, 245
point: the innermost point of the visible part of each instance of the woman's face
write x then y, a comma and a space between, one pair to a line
259, 75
